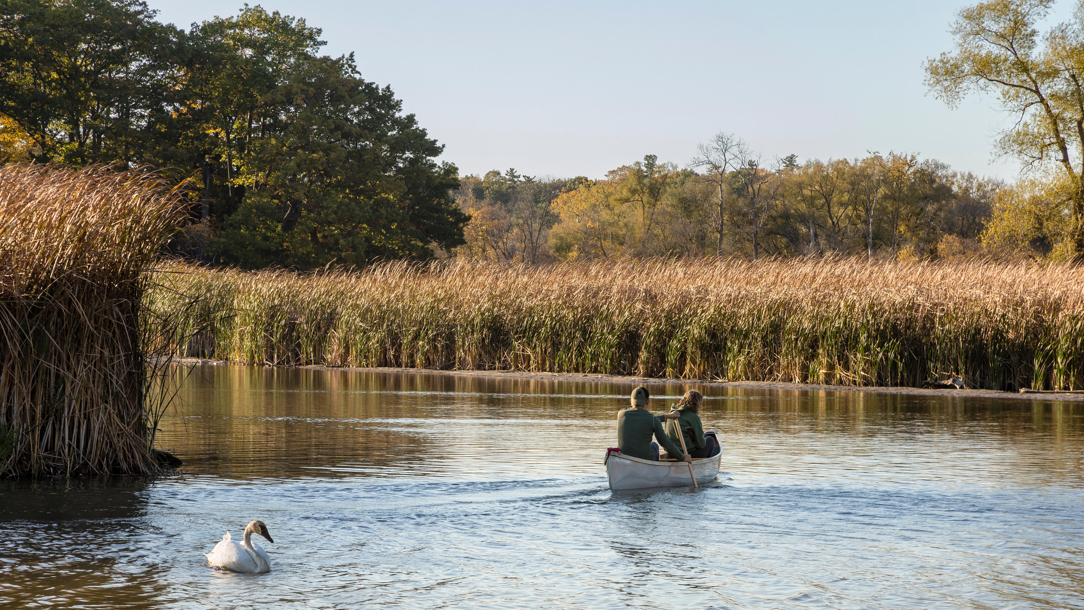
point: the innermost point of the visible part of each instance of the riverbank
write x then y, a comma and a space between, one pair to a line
691, 383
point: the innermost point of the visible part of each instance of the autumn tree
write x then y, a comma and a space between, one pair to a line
1037, 76
1028, 219
15, 143
758, 188
688, 216
511, 215
642, 186
899, 206
486, 234
897, 171
866, 183
807, 204
718, 158
970, 205
591, 223
817, 189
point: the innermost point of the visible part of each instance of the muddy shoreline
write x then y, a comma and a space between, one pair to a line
648, 381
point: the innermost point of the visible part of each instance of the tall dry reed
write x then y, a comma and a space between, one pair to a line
834, 321
74, 246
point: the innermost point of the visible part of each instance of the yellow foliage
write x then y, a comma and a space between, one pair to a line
587, 201
907, 254
954, 247
15, 144
485, 232
1063, 252
1031, 218
591, 225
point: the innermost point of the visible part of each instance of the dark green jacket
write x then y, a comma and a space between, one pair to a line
635, 427
691, 429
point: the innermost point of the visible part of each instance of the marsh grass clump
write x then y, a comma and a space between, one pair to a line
833, 321
74, 246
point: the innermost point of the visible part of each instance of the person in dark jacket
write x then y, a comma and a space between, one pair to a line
688, 422
636, 426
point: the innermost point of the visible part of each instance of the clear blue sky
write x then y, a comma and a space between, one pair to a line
578, 88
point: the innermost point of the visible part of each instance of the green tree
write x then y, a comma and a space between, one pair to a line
642, 185
318, 164
346, 175
88, 81
235, 68
1040, 77
299, 160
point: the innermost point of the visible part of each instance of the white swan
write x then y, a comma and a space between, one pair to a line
245, 557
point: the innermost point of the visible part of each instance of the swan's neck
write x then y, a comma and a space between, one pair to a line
250, 549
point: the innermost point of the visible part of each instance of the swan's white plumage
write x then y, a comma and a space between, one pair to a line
245, 556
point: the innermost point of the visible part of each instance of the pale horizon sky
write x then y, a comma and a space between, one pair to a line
563, 89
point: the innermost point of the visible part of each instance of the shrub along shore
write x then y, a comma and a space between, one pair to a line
827, 321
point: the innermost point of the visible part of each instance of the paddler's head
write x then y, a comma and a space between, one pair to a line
691, 401
639, 397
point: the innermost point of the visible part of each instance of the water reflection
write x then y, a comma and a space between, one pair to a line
268, 422
65, 542
401, 490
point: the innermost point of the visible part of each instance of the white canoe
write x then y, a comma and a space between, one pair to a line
627, 472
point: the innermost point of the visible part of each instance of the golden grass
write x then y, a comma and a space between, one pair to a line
835, 321
73, 380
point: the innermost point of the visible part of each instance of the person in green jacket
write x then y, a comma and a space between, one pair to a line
636, 425
688, 421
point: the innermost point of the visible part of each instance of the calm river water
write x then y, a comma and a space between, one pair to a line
437, 491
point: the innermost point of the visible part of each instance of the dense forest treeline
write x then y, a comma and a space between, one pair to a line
728, 201
892, 205
289, 157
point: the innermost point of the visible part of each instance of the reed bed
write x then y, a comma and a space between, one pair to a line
831, 321
74, 246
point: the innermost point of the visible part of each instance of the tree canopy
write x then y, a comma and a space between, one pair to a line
1037, 76
294, 158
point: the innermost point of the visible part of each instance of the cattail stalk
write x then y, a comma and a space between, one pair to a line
74, 246
836, 321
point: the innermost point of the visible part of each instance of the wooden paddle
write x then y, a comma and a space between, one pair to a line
681, 437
